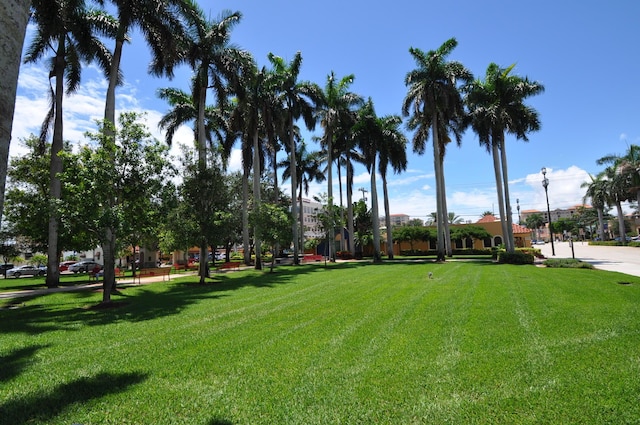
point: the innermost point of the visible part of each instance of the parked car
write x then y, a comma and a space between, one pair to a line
82, 266
6, 266
25, 271
64, 266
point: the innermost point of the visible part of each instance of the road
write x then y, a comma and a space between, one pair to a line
623, 259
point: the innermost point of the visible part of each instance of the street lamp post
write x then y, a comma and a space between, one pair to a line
545, 184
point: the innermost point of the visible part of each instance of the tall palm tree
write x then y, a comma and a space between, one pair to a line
72, 32
215, 61
617, 192
368, 131
13, 21
497, 107
597, 192
309, 168
392, 152
336, 102
436, 105
298, 99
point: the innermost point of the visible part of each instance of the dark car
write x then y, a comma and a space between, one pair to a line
5, 267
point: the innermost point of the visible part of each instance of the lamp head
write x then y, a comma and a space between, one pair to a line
544, 171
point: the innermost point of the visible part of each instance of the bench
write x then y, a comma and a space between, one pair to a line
312, 257
154, 271
228, 265
119, 272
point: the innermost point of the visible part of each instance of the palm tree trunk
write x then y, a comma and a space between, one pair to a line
387, 217
330, 230
621, 232
505, 178
256, 198
55, 186
498, 176
375, 217
445, 210
246, 243
293, 167
14, 15
601, 224
301, 223
342, 244
437, 168
352, 247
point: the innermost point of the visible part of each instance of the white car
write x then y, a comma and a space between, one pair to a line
26, 271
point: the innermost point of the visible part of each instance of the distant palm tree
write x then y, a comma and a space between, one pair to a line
617, 191
628, 165
436, 105
298, 99
496, 107
392, 152
72, 32
597, 192
309, 169
336, 102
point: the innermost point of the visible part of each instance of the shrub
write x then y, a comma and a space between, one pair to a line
567, 263
533, 251
515, 258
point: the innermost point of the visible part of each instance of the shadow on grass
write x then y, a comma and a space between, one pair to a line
137, 303
15, 362
216, 421
45, 406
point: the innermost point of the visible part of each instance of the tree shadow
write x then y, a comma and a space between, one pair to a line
15, 362
45, 406
217, 421
146, 303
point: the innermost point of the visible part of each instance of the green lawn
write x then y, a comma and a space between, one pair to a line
348, 344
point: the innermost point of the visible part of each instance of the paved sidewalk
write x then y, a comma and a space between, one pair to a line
83, 287
623, 259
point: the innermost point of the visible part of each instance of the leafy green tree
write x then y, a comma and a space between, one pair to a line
497, 107
435, 101
563, 225
274, 225
127, 171
412, 234
363, 224
535, 221
73, 33
469, 231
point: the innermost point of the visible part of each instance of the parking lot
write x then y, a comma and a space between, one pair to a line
623, 259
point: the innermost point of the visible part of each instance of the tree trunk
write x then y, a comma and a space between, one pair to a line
256, 198
301, 218
109, 277
246, 243
293, 167
601, 224
14, 15
505, 178
621, 232
438, 171
350, 229
375, 217
55, 169
498, 176
330, 230
387, 217
342, 243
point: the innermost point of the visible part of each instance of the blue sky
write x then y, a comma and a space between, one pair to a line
584, 53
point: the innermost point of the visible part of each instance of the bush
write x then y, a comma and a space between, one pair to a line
533, 251
567, 263
517, 257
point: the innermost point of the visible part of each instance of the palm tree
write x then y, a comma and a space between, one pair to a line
392, 151
298, 98
616, 188
629, 165
436, 104
309, 168
72, 31
497, 107
13, 21
368, 133
336, 103
597, 191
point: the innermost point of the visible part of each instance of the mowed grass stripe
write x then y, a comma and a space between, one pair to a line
478, 343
